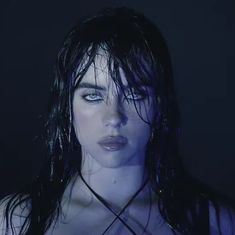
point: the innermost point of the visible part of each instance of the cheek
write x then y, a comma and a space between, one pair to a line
141, 112
140, 132
83, 122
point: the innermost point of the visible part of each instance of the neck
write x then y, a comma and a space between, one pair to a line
116, 185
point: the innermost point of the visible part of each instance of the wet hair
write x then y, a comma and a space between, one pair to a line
134, 45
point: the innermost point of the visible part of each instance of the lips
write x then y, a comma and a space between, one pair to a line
113, 143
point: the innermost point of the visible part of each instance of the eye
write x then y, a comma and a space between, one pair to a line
92, 97
136, 96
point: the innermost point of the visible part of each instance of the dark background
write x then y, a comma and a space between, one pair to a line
201, 38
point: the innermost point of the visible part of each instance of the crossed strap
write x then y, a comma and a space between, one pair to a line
109, 207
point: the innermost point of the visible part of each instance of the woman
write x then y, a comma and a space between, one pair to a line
113, 163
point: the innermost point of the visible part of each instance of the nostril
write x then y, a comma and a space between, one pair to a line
114, 117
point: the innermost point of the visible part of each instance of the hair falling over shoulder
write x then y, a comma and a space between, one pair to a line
134, 44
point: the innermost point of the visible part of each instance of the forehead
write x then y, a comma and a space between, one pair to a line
98, 73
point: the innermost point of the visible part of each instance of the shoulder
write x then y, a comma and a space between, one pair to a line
222, 218
14, 210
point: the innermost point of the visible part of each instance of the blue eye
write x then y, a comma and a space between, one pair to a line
93, 97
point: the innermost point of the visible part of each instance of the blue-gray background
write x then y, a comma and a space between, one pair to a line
201, 38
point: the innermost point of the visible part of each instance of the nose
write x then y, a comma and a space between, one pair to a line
114, 115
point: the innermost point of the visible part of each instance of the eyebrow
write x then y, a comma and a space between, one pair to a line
90, 85
101, 88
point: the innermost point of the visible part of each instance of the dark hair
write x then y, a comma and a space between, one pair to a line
131, 43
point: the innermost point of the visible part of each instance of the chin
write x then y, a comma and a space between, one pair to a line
111, 162
117, 160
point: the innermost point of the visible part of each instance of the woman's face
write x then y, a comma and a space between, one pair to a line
106, 124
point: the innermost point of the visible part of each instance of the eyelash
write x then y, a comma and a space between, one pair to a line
142, 97
90, 100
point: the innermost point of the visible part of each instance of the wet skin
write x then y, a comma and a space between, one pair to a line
100, 110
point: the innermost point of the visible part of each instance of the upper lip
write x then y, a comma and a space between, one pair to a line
113, 139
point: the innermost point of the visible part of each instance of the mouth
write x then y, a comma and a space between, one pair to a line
113, 143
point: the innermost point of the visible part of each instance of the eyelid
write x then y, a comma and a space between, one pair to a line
141, 93
94, 93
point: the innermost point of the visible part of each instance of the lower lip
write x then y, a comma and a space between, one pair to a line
112, 147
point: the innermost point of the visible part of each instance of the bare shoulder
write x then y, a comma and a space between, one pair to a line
222, 219
14, 209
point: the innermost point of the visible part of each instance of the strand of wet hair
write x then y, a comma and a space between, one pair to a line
108, 206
